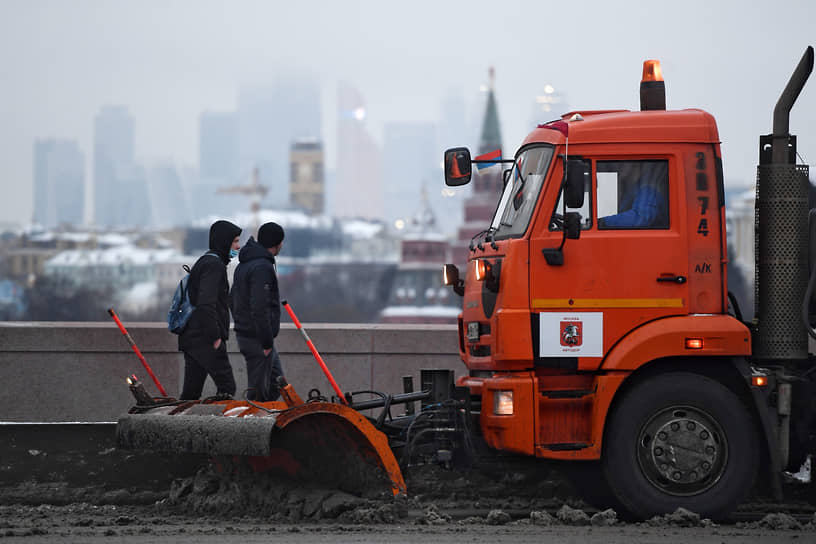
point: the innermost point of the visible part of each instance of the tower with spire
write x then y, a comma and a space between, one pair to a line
487, 184
490, 139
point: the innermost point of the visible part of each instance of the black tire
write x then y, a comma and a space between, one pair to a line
589, 482
680, 440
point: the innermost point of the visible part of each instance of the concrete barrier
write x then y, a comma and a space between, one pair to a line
57, 372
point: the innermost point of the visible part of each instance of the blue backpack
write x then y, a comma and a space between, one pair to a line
181, 308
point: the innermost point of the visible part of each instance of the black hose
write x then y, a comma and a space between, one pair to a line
806, 304
734, 304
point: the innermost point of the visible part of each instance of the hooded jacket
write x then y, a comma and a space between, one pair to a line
255, 298
209, 291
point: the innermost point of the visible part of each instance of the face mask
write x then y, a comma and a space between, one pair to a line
233, 253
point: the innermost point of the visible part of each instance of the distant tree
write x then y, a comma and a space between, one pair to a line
47, 300
149, 315
349, 293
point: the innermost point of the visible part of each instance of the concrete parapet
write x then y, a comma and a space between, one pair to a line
54, 372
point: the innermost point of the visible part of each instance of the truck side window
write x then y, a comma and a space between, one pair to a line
557, 219
633, 194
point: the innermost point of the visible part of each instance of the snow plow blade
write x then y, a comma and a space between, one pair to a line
317, 442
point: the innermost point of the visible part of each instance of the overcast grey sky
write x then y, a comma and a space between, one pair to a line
170, 60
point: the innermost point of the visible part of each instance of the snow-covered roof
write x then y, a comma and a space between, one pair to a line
358, 228
285, 218
424, 237
77, 237
37, 234
112, 239
353, 228
44, 236
421, 311
115, 256
329, 258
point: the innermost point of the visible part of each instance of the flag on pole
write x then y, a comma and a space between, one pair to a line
492, 156
560, 126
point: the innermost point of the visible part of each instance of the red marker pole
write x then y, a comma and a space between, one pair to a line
314, 352
135, 349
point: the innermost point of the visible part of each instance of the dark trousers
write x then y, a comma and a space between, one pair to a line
262, 370
204, 361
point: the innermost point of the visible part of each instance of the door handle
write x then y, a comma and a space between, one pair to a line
676, 279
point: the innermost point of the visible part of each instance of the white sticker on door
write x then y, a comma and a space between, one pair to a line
570, 334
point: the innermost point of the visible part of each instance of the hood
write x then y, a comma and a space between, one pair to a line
253, 250
222, 233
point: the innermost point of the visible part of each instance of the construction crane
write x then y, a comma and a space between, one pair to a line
255, 190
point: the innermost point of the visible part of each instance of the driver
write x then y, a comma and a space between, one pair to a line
642, 201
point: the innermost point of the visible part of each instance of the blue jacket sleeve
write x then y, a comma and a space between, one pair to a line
645, 210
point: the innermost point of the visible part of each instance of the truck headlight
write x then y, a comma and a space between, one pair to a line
503, 403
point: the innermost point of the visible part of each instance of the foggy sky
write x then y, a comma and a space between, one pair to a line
168, 61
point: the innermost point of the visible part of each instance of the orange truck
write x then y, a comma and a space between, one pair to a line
597, 325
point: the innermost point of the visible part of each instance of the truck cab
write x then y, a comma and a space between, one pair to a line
595, 314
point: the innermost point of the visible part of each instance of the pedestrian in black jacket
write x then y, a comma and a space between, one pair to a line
204, 339
256, 310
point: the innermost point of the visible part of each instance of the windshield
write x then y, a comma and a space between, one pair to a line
521, 191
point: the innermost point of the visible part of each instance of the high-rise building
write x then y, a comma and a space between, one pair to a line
59, 183
487, 185
358, 190
410, 152
269, 119
168, 205
218, 145
307, 186
131, 199
218, 167
116, 186
456, 127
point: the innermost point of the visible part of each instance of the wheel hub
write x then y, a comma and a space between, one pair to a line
681, 451
684, 451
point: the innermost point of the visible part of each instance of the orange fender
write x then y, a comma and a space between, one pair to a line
721, 335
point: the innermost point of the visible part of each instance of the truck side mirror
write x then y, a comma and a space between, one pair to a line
576, 178
457, 166
450, 276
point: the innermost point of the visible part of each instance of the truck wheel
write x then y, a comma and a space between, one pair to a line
680, 439
589, 481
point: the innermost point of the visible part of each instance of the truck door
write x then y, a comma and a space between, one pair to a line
630, 265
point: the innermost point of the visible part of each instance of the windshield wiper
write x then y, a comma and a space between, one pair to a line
489, 237
476, 236
518, 197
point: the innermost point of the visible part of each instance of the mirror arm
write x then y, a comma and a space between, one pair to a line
555, 255
459, 287
563, 205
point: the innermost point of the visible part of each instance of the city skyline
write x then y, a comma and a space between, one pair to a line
258, 136
168, 63
59, 182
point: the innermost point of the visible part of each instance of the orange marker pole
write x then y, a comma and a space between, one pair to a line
314, 352
136, 350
